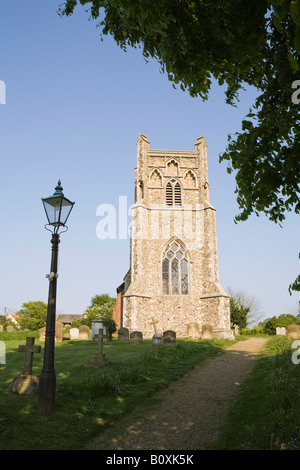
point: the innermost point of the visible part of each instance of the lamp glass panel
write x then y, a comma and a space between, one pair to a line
52, 208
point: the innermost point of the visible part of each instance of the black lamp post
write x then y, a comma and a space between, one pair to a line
58, 209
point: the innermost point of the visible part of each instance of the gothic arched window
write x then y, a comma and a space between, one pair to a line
173, 193
175, 277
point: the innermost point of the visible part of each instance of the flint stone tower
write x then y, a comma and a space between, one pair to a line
174, 275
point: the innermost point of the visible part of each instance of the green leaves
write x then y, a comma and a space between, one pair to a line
236, 43
33, 315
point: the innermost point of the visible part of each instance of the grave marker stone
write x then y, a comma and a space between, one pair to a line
26, 383
84, 332
193, 330
136, 337
59, 327
293, 331
42, 333
74, 332
29, 349
96, 326
169, 336
207, 331
10, 328
99, 359
281, 330
123, 334
156, 338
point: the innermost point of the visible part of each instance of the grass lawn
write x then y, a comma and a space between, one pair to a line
88, 399
266, 415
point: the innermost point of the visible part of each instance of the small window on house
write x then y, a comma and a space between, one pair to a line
175, 270
173, 193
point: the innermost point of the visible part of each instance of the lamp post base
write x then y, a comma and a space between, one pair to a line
47, 387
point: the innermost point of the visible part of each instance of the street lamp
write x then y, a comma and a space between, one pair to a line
58, 209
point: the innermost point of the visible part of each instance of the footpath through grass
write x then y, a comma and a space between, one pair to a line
266, 415
88, 399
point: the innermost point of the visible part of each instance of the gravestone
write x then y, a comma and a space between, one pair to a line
193, 330
169, 336
29, 349
84, 332
136, 337
96, 326
123, 334
281, 330
10, 328
42, 332
66, 337
26, 383
236, 330
157, 340
293, 331
154, 322
1, 328
207, 331
74, 332
59, 327
99, 359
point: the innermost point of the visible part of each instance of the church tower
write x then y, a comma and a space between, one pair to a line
174, 274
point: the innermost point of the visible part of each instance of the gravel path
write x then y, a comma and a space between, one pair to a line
191, 411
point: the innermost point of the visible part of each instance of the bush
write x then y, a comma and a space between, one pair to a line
246, 331
281, 321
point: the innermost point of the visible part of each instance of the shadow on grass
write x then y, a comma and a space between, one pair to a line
89, 399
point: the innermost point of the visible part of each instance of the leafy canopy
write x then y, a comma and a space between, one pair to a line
283, 320
238, 313
33, 315
235, 42
101, 306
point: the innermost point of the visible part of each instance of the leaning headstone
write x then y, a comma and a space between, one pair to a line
169, 336
84, 332
123, 334
281, 330
74, 332
10, 328
193, 330
99, 359
207, 331
26, 383
293, 331
136, 337
59, 327
42, 332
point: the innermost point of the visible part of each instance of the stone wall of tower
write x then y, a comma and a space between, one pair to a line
154, 226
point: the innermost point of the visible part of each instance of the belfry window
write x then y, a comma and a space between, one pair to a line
173, 193
175, 270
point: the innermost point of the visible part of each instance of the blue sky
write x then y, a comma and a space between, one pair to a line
75, 107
